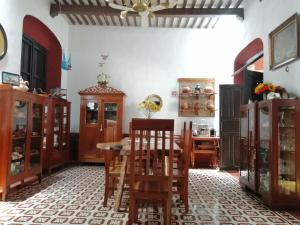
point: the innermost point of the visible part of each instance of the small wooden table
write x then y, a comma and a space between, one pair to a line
206, 146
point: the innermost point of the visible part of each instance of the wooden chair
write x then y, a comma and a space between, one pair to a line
112, 161
151, 160
181, 172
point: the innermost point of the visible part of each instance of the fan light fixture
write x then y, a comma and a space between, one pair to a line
142, 7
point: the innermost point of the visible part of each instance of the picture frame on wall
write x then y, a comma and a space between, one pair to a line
10, 78
284, 43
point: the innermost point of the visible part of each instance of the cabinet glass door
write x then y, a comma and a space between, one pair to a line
57, 128
252, 145
65, 126
36, 135
45, 128
110, 111
91, 112
19, 129
110, 121
244, 144
264, 149
287, 150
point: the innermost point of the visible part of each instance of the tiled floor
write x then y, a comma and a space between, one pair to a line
74, 196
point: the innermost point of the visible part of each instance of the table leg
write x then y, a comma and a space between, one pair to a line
118, 196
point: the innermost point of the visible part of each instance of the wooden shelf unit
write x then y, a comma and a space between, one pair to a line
194, 99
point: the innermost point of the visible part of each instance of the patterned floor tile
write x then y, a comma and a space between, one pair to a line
75, 196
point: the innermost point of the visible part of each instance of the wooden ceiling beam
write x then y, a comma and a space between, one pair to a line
179, 12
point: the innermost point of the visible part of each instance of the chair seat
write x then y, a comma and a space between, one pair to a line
149, 186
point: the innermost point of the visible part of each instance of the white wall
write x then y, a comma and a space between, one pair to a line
260, 19
143, 61
12, 13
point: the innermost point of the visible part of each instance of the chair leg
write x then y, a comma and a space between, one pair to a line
168, 210
135, 212
193, 159
186, 195
106, 190
132, 209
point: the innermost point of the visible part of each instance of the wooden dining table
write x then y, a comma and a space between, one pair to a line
124, 146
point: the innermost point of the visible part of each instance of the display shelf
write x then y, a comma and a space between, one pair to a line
19, 138
196, 97
54, 154
21, 114
277, 166
17, 160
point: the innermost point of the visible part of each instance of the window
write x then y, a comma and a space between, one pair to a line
33, 63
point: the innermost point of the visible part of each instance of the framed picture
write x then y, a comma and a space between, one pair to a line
10, 78
284, 44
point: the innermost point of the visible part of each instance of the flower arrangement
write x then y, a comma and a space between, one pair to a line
149, 106
103, 78
264, 88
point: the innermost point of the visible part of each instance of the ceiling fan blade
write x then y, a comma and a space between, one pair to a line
120, 7
123, 14
144, 19
172, 4
157, 8
151, 14
162, 6
127, 3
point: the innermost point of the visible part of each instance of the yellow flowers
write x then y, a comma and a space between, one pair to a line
149, 106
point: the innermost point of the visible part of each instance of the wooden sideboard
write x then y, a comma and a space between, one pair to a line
208, 150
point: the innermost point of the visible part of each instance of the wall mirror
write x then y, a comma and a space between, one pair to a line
3, 42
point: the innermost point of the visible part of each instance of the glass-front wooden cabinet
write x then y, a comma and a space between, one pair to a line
21, 119
56, 133
101, 118
248, 146
279, 143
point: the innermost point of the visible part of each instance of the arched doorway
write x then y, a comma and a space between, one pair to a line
40, 41
248, 66
255, 48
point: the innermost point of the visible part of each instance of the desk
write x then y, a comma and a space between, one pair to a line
208, 147
125, 145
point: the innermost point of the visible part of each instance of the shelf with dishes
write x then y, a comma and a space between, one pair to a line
196, 97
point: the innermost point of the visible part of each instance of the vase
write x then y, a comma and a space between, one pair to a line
265, 96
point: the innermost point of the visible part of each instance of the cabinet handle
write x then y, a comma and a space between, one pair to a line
101, 129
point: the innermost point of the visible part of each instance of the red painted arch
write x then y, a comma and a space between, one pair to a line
249, 51
39, 32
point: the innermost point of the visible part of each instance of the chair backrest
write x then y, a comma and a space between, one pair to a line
110, 133
187, 146
151, 156
179, 139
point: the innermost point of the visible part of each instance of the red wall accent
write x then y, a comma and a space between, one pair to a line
39, 32
249, 51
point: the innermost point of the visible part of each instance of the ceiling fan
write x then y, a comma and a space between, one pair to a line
142, 7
